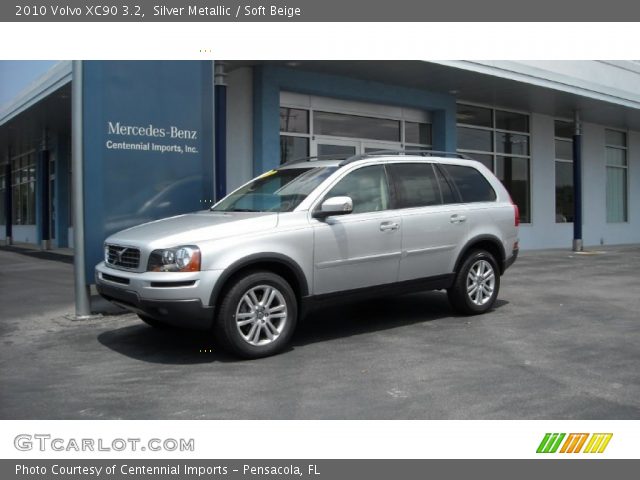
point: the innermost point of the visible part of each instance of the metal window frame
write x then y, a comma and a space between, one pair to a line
494, 154
624, 167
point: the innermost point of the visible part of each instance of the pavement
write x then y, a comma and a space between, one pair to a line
563, 342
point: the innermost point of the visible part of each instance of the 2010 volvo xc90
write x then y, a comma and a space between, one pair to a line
312, 230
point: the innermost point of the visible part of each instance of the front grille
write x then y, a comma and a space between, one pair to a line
124, 257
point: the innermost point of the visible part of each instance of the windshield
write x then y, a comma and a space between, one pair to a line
275, 191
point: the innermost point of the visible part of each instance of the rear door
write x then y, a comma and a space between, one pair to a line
433, 219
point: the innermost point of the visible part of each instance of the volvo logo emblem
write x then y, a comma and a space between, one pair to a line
120, 253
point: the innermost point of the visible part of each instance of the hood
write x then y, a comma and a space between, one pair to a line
194, 227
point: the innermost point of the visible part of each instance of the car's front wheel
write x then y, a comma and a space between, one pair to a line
476, 285
257, 315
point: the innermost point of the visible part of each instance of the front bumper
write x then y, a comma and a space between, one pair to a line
179, 299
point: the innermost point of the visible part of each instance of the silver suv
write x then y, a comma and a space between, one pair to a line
316, 229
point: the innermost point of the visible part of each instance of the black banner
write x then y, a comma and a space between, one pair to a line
319, 11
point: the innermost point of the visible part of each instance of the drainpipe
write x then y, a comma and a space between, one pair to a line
45, 237
83, 299
220, 129
577, 184
8, 208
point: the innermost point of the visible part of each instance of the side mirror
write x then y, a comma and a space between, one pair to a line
334, 206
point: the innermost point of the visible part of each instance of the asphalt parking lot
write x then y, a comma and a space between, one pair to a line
562, 343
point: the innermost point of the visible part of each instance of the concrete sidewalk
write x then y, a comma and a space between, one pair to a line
562, 343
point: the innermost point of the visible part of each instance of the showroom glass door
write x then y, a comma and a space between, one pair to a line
335, 146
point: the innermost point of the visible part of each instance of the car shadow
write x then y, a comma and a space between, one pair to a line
183, 347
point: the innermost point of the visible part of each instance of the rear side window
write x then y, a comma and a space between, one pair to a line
415, 184
472, 185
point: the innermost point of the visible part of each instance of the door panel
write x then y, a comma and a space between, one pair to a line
430, 237
362, 248
356, 250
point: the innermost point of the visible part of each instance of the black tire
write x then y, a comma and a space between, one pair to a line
153, 322
238, 339
459, 296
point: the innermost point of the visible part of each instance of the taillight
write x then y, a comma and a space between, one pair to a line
516, 213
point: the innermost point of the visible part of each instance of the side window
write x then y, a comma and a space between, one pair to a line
472, 185
449, 194
367, 187
416, 184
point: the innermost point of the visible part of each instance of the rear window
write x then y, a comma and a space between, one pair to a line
472, 185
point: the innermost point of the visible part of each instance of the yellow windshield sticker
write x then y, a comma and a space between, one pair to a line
268, 174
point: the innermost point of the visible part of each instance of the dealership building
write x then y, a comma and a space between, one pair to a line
154, 139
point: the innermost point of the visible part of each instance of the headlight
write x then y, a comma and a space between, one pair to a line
179, 259
106, 254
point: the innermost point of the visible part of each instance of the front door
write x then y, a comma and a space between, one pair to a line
362, 248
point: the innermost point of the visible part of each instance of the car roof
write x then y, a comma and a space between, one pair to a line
381, 156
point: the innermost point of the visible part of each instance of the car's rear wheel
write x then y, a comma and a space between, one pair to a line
476, 285
257, 315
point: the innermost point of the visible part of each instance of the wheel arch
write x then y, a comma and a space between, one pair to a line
489, 243
277, 263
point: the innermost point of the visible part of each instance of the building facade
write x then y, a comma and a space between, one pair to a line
518, 118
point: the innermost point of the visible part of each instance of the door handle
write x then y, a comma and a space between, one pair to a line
455, 218
389, 226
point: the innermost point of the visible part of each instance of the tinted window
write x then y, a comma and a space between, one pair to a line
472, 185
294, 120
366, 186
448, 193
416, 184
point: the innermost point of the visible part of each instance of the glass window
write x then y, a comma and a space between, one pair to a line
472, 185
294, 120
563, 129
516, 122
416, 185
616, 194
417, 133
292, 148
564, 171
484, 158
564, 149
564, 192
367, 187
616, 157
616, 161
275, 191
337, 150
3, 187
513, 172
447, 190
512, 143
615, 138
475, 139
496, 148
472, 115
354, 126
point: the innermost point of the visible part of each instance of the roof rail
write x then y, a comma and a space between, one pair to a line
421, 153
334, 156
346, 159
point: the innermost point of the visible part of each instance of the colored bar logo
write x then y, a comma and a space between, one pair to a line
574, 442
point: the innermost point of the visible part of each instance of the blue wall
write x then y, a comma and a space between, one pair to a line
268, 81
123, 188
